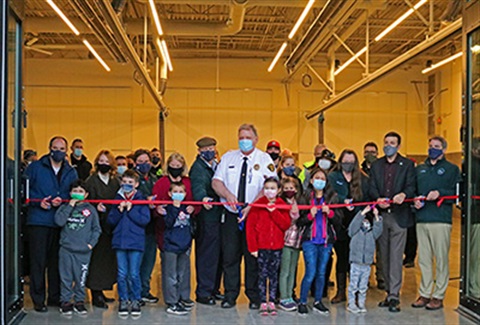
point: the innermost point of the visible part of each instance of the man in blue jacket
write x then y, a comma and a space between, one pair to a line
50, 179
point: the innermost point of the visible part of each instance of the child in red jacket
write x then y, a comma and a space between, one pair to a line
266, 228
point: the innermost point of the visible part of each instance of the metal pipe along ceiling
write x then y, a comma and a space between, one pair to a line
389, 67
249, 3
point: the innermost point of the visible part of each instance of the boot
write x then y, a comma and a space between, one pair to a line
341, 286
98, 300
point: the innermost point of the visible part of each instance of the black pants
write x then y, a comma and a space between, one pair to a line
44, 247
411, 246
342, 250
234, 245
207, 256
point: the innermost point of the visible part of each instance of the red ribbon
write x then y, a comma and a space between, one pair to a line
258, 205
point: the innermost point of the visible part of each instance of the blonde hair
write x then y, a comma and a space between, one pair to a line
178, 157
248, 127
111, 160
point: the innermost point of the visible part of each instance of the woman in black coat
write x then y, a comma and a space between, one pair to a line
103, 185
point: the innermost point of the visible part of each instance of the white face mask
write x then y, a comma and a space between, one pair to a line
270, 193
324, 164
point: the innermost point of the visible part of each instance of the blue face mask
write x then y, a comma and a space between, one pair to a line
289, 171
207, 155
127, 188
245, 145
77, 152
390, 150
144, 168
319, 184
178, 196
57, 155
434, 153
121, 170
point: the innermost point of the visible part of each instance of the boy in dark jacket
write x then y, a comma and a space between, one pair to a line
362, 248
129, 222
176, 253
80, 232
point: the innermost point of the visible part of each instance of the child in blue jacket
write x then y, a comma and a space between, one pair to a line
129, 222
176, 253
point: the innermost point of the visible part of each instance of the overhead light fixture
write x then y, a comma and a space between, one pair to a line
277, 57
64, 18
445, 61
399, 20
302, 17
156, 19
349, 61
476, 49
96, 55
165, 55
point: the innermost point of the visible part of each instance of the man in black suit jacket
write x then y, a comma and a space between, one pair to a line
392, 180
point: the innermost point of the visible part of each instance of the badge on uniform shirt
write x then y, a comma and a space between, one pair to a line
256, 167
271, 167
86, 213
441, 171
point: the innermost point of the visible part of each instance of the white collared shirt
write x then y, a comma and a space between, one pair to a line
260, 167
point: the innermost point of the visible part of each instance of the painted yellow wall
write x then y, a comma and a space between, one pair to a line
109, 110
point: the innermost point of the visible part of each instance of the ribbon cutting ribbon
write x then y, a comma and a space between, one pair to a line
440, 200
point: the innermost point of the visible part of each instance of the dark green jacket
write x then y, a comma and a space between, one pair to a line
442, 177
201, 175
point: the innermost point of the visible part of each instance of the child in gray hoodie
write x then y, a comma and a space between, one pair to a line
362, 248
80, 232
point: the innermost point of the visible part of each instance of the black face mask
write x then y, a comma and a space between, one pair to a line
274, 155
103, 168
175, 172
130, 166
155, 160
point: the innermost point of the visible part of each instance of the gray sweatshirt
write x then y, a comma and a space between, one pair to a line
80, 226
363, 236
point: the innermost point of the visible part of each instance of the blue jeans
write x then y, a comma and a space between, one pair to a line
148, 263
128, 278
316, 258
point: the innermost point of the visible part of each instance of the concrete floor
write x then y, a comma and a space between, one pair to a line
155, 314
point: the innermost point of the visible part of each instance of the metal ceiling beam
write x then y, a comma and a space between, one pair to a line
440, 36
249, 3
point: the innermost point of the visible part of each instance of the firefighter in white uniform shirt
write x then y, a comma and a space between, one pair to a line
227, 183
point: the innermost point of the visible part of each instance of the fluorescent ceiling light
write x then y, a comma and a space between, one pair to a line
156, 19
476, 49
353, 58
277, 57
96, 55
445, 61
399, 20
301, 18
64, 18
164, 51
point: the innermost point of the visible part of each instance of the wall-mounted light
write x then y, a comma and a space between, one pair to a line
64, 18
443, 62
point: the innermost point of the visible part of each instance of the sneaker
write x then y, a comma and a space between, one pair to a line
136, 309
319, 307
353, 308
421, 302
176, 309
272, 309
434, 304
362, 309
288, 305
66, 308
79, 308
123, 308
263, 309
302, 309
150, 299
187, 304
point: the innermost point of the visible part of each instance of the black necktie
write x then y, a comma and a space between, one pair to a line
243, 182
